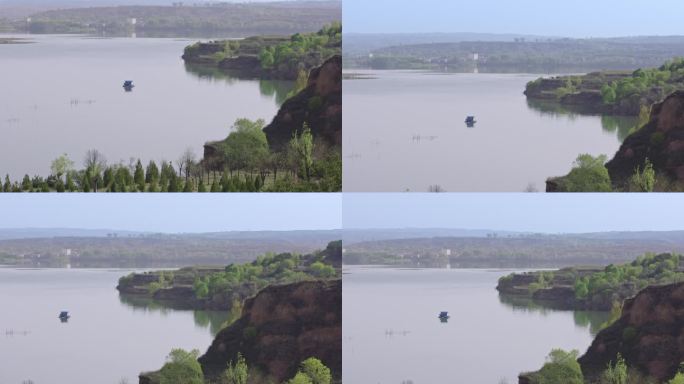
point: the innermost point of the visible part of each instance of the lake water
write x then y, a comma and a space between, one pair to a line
391, 333
64, 94
107, 338
405, 130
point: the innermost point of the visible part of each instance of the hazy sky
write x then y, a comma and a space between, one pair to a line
576, 18
526, 212
172, 212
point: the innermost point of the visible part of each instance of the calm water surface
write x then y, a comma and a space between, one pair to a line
405, 130
392, 334
107, 338
64, 94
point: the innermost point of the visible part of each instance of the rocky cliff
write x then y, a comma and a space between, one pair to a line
661, 141
319, 105
649, 335
175, 289
558, 290
280, 327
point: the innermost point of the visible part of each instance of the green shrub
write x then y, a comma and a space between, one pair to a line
643, 181
181, 367
589, 174
561, 367
678, 379
616, 374
316, 370
237, 373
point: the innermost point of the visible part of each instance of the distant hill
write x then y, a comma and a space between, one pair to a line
35, 233
508, 53
162, 18
438, 248
354, 236
365, 43
59, 247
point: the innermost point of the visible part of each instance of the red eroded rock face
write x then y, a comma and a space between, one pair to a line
282, 326
649, 335
319, 105
661, 141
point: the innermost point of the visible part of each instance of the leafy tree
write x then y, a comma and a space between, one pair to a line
139, 176
322, 270
61, 165
59, 186
266, 58
678, 379
225, 183
237, 373
201, 187
189, 187
561, 367
643, 181
246, 146
589, 174
303, 146
300, 378
8, 184
215, 186
181, 367
94, 163
317, 371
616, 374
608, 94
152, 172
26, 183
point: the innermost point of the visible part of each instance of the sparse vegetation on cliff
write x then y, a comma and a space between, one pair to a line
649, 160
622, 93
225, 288
274, 57
578, 288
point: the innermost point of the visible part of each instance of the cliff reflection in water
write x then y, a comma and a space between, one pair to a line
621, 125
593, 320
278, 89
213, 320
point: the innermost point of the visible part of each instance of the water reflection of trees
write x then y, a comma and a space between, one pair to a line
213, 320
585, 319
622, 126
278, 89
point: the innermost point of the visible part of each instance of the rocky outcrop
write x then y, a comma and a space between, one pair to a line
557, 290
649, 335
661, 141
280, 327
319, 105
175, 289
582, 94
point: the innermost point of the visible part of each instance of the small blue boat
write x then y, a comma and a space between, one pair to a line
444, 315
128, 84
64, 315
470, 121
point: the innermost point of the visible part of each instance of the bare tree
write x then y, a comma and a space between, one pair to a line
185, 161
94, 159
436, 188
94, 163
